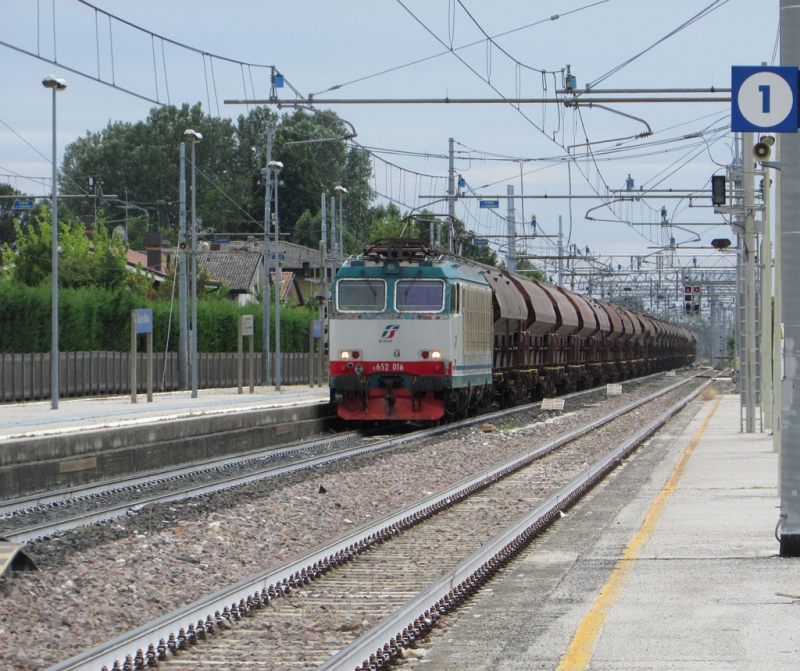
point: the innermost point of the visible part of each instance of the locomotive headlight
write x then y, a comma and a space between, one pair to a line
433, 354
344, 355
436, 355
347, 354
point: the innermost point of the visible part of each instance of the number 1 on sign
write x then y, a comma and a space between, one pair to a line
764, 90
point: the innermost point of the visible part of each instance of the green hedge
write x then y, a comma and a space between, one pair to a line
95, 319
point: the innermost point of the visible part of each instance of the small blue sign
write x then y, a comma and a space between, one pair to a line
480, 242
222, 239
278, 81
23, 204
281, 256
144, 321
317, 328
490, 203
764, 99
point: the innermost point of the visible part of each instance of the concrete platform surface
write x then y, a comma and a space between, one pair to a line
671, 564
37, 419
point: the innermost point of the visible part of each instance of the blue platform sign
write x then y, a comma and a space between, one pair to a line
480, 242
23, 204
222, 239
490, 203
317, 328
764, 99
144, 321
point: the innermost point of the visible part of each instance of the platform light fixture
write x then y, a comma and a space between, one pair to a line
56, 85
194, 137
276, 167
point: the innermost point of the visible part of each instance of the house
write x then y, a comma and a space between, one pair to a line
239, 265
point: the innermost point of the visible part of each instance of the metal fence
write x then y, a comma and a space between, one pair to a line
26, 377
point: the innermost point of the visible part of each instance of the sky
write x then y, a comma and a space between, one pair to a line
362, 46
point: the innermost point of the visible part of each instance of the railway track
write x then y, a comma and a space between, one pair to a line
45, 515
394, 578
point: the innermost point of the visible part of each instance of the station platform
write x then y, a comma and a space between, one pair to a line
90, 439
672, 563
37, 419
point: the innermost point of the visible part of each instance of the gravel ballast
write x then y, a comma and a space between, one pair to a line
100, 582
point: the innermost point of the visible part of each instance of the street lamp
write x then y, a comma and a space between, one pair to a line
56, 85
267, 177
194, 137
341, 192
276, 167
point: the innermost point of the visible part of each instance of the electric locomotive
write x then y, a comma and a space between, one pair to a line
410, 335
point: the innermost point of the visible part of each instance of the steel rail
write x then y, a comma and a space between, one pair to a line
46, 529
459, 583
261, 586
91, 490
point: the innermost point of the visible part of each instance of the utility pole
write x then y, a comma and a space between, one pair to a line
324, 241
334, 238
765, 262
511, 253
750, 253
790, 276
183, 292
267, 175
451, 193
777, 341
560, 253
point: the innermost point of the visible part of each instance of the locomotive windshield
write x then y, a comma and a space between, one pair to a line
361, 295
419, 295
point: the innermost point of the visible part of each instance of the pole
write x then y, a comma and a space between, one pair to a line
55, 377
766, 305
278, 280
560, 253
341, 231
183, 327
451, 192
777, 343
194, 273
790, 310
322, 308
511, 253
266, 262
132, 361
334, 237
750, 252
324, 245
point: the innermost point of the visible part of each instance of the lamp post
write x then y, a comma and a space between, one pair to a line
194, 137
276, 167
56, 85
267, 175
341, 192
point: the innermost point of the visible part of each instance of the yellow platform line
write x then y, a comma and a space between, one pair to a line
579, 653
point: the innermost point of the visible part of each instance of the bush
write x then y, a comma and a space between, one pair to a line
96, 319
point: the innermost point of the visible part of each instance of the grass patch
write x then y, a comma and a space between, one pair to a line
709, 393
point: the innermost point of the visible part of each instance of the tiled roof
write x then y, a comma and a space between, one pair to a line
133, 258
293, 255
237, 268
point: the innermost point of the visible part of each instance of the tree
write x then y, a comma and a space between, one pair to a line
525, 267
385, 222
99, 261
139, 164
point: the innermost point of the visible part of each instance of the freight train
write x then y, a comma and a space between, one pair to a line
416, 333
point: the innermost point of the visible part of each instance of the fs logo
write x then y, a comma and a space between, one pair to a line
389, 332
